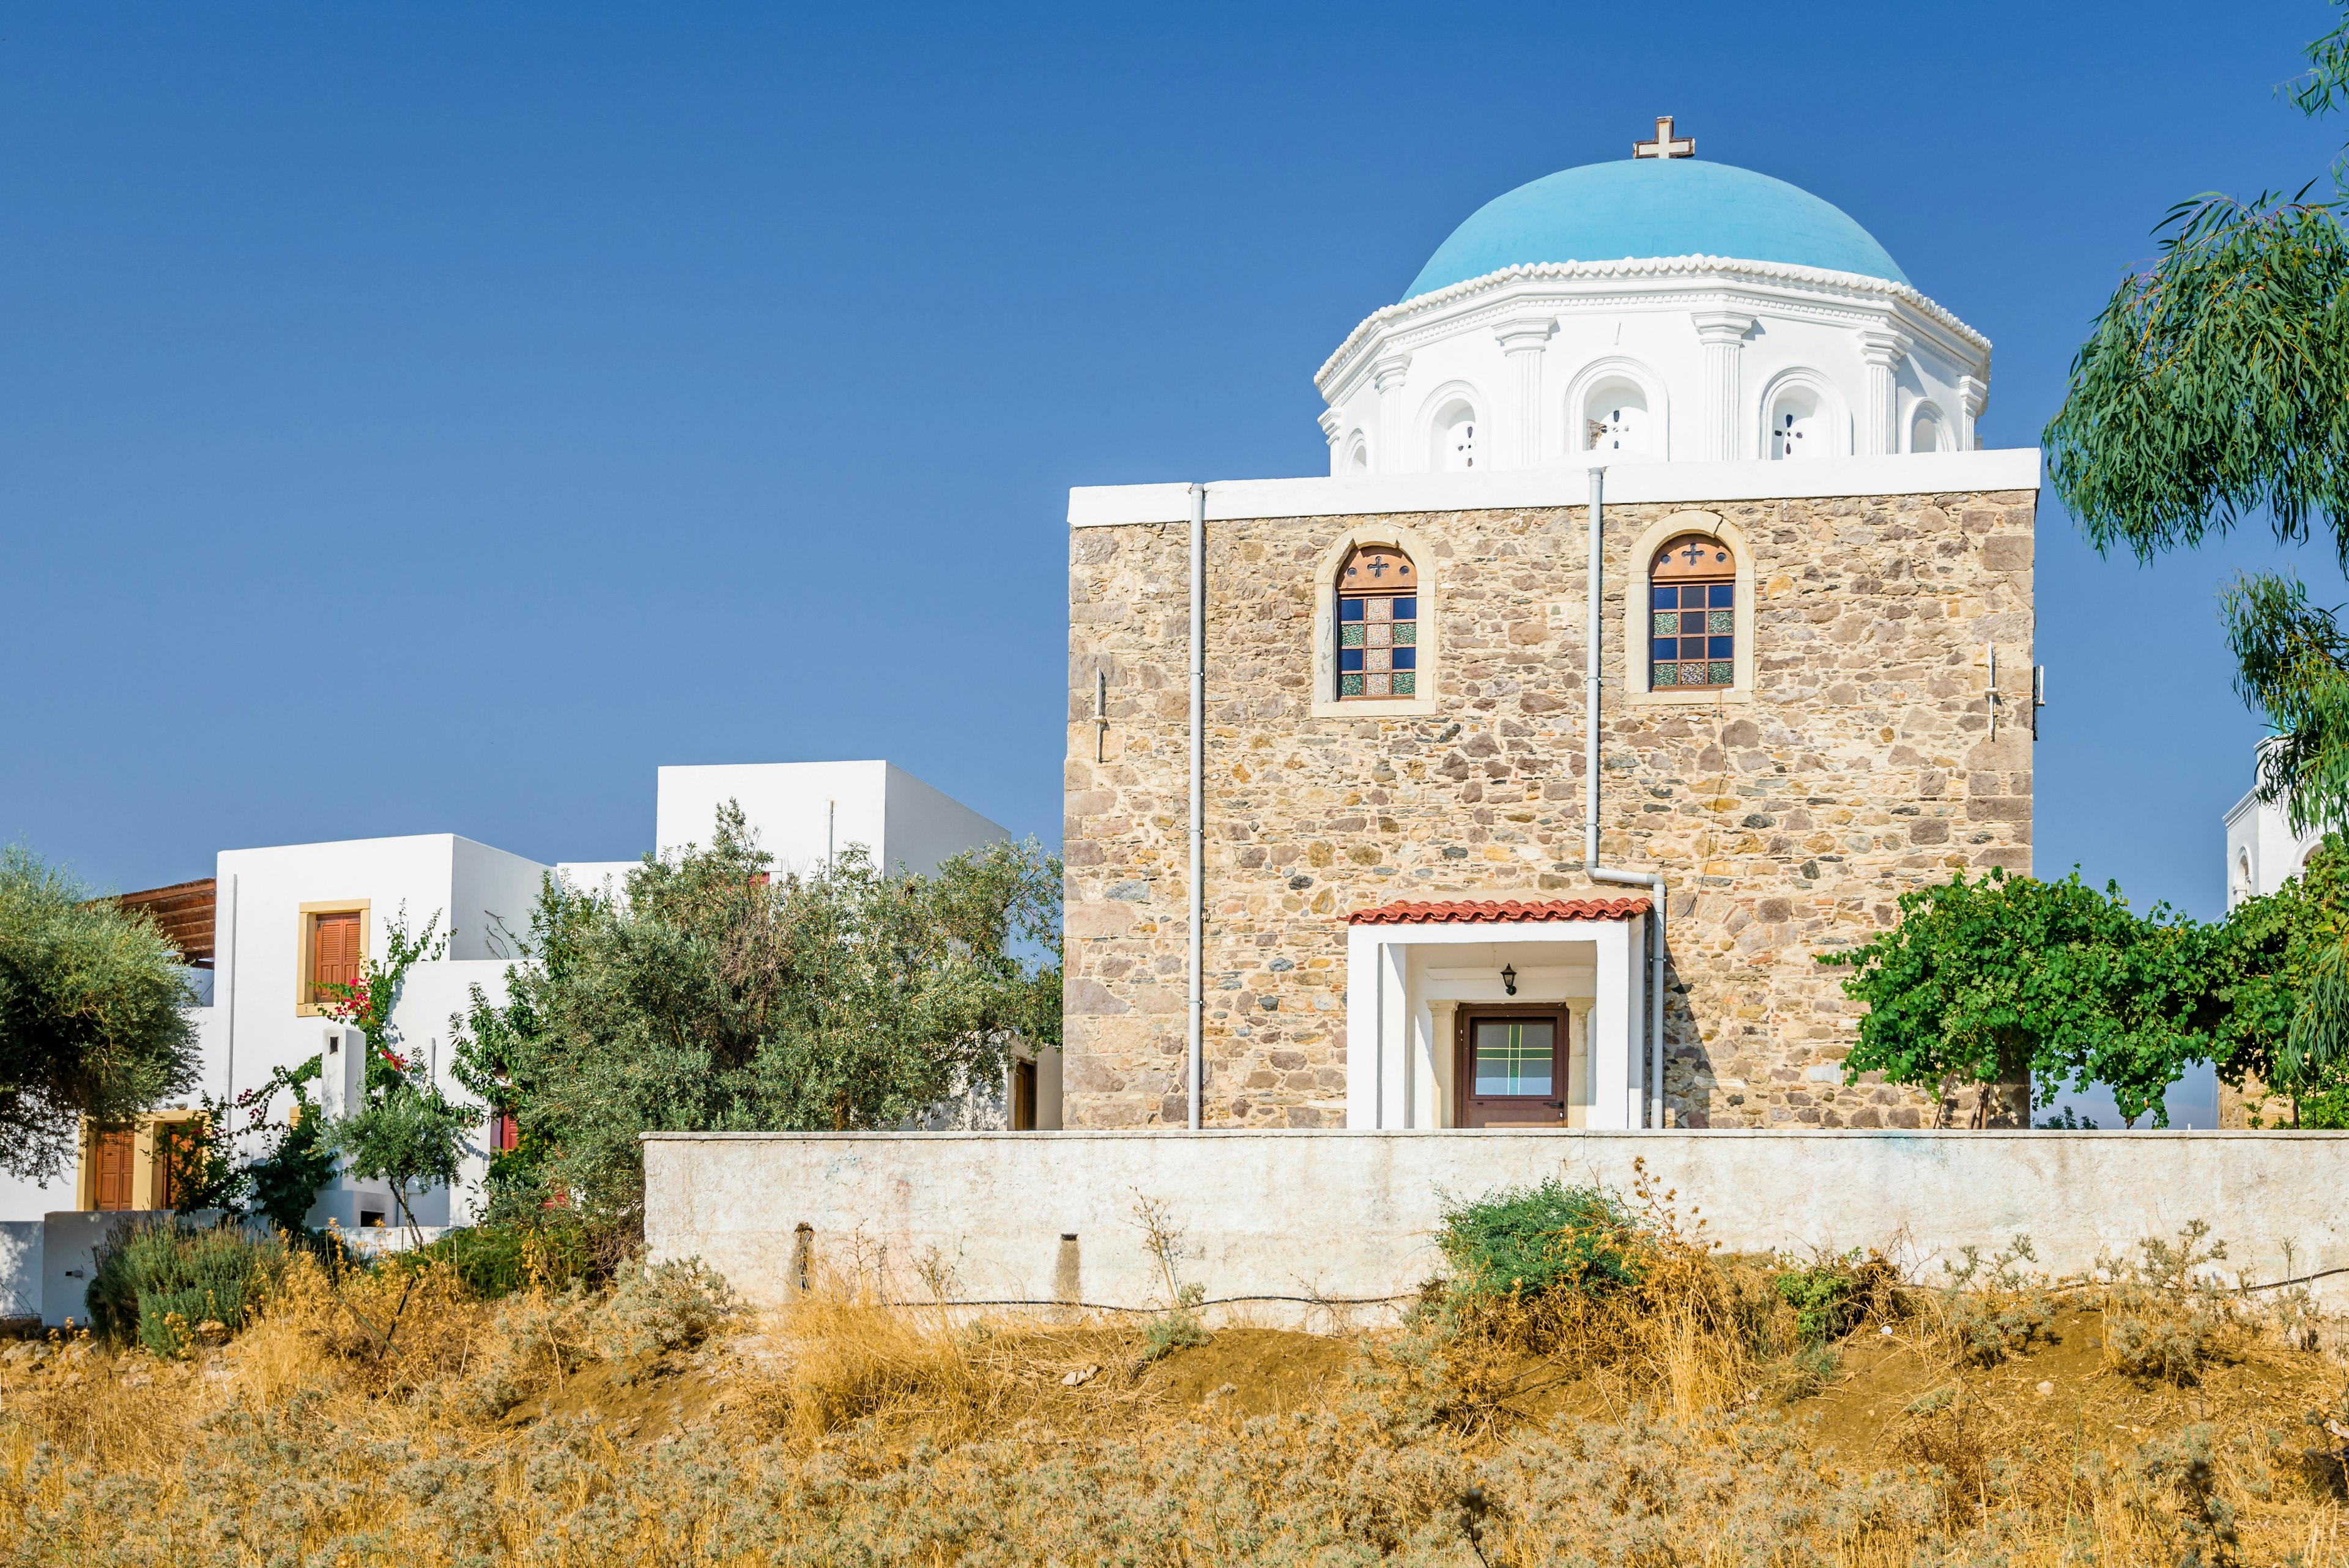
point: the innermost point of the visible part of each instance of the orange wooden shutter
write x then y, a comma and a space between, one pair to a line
335, 950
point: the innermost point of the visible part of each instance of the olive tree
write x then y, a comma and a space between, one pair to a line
93, 1015
716, 995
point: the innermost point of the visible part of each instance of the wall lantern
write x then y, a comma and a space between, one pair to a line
1509, 978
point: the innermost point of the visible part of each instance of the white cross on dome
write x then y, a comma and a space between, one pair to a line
1664, 146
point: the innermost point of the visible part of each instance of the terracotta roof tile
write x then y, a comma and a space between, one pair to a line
1462, 911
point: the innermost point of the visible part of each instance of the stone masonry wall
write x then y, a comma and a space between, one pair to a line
1788, 825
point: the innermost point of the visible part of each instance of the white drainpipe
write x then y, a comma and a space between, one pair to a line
1652, 881
1199, 1000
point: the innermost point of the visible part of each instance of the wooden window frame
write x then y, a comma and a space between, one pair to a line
1399, 645
1463, 1058
1717, 575
1637, 611
1325, 703
306, 1004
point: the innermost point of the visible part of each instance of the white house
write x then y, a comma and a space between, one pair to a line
274, 924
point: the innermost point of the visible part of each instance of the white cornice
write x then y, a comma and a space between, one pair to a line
1661, 269
1627, 484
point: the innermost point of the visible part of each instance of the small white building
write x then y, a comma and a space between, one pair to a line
274, 925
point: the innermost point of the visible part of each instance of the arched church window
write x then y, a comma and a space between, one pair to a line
1797, 428
1378, 623
1693, 638
1455, 439
1615, 419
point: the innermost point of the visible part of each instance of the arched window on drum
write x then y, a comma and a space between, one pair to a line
1378, 623
1692, 592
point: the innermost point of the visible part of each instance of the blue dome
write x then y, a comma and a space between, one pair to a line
1646, 207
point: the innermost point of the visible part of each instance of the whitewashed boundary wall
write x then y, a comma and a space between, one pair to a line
1352, 1215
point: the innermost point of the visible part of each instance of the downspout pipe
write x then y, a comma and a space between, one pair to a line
1197, 1010
1652, 881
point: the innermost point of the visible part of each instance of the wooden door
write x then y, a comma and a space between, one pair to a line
1512, 1067
1023, 1096
115, 1154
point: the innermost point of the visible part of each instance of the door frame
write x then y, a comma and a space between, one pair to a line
1463, 1058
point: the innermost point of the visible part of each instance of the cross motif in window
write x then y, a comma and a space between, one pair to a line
1378, 566
1695, 552
1665, 146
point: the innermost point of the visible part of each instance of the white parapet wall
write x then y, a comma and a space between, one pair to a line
1352, 1215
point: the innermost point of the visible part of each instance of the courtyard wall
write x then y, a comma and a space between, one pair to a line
1350, 1217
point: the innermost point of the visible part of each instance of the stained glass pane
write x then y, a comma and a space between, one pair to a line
1350, 686
1663, 648
1380, 609
1349, 609
1515, 1058
1382, 636
1667, 598
1380, 659
1721, 595
1720, 647
1406, 608
1692, 622
1667, 675
1721, 622
1406, 683
1692, 598
1406, 634
1723, 673
1378, 686
1350, 658
1350, 636
1668, 623
1406, 658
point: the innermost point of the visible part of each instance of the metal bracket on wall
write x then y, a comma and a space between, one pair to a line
1101, 715
2038, 696
1993, 693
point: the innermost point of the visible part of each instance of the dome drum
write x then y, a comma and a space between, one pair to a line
1654, 310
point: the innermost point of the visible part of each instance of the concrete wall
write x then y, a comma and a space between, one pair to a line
1353, 1213
20, 1268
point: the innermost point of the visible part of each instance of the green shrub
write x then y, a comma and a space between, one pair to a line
497, 1259
1536, 1240
158, 1282
1833, 1295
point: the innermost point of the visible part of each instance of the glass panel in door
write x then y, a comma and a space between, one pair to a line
1513, 1072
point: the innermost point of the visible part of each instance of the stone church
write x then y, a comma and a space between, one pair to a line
1660, 622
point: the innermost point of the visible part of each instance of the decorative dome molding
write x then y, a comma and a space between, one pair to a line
1693, 268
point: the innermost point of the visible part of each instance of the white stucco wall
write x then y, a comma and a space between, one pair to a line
803, 810
1354, 1214
1703, 343
2263, 851
472, 887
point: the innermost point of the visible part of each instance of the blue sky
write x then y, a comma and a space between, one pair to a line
434, 419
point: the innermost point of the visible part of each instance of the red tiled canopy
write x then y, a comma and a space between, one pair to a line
1462, 912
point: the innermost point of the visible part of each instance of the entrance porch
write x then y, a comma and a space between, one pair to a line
1497, 1013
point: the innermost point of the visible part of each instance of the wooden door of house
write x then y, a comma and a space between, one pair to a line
115, 1159
1512, 1067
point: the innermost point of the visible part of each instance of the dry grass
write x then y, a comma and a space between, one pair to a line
1673, 1425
